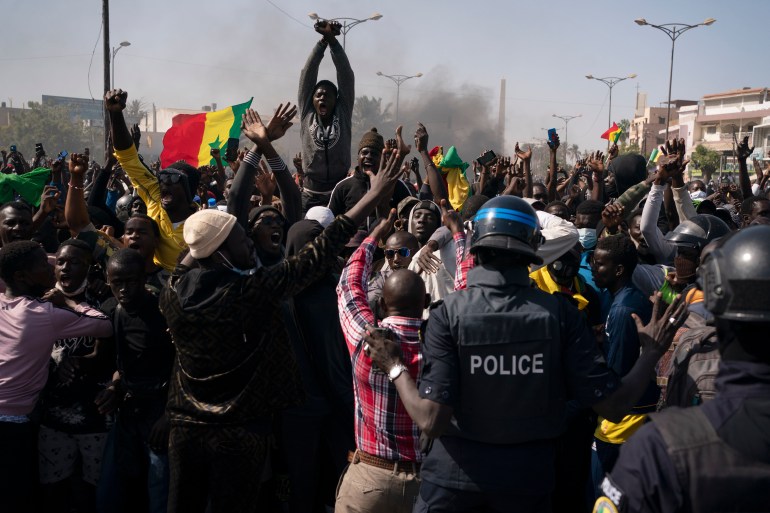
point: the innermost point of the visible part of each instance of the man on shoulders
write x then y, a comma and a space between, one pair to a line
326, 112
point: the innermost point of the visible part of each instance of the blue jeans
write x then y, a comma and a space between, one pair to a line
134, 478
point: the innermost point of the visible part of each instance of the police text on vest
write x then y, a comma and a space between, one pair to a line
501, 365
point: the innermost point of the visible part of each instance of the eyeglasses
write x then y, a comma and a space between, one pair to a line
404, 252
169, 178
269, 221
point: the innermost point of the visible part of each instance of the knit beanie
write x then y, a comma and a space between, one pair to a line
373, 140
206, 230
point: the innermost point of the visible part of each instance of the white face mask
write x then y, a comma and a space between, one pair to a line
587, 237
242, 272
74, 293
696, 195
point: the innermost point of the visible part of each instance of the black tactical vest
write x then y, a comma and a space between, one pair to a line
714, 476
511, 370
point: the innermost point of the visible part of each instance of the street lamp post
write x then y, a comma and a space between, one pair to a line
673, 31
610, 82
115, 51
398, 80
566, 120
347, 23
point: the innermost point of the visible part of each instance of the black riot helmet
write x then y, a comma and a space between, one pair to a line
507, 223
735, 277
123, 207
698, 231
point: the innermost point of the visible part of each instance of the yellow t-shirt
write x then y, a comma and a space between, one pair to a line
146, 184
619, 433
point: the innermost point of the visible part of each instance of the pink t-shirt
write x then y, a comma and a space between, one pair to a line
28, 329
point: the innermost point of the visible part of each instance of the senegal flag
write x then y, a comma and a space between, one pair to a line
613, 133
192, 136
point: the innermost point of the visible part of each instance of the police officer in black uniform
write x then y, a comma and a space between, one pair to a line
500, 361
714, 457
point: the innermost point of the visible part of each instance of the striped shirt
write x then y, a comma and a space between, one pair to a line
383, 427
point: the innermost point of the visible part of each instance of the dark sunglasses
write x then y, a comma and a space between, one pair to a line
269, 221
404, 252
169, 178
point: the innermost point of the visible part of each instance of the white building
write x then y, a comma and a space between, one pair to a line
718, 117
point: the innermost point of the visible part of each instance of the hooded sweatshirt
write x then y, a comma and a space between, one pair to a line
326, 149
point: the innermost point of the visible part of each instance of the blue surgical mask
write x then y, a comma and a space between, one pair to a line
587, 237
242, 272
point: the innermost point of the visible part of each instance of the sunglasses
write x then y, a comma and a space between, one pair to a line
269, 221
391, 253
169, 178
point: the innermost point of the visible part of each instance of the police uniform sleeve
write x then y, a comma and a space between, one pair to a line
644, 478
588, 378
440, 376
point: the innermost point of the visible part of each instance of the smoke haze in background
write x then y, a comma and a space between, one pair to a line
186, 54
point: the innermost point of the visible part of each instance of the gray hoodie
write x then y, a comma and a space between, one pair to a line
326, 150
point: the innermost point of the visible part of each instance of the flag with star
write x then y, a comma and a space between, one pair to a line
192, 136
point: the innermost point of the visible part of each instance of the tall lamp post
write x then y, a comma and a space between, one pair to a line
347, 23
398, 80
673, 31
566, 120
115, 50
610, 82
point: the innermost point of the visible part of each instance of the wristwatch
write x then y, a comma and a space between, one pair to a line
396, 371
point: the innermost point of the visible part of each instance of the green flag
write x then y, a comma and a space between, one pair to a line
29, 185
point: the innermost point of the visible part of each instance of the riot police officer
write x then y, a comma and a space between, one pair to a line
712, 457
500, 361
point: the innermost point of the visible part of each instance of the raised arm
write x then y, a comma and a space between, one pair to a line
743, 152
75, 208
291, 197
595, 164
553, 145
346, 82
309, 76
433, 177
142, 179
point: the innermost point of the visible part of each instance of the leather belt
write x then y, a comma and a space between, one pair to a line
375, 461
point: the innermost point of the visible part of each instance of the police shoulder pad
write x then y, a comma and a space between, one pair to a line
613, 499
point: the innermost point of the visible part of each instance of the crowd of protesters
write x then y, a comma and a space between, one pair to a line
241, 337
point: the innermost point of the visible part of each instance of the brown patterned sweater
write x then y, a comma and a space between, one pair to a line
234, 364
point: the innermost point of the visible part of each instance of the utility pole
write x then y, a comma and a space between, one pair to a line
106, 51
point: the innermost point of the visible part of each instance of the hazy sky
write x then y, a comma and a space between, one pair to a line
187, 53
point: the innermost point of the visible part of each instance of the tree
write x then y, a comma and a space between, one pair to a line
50, 125
624, 149
135, 111
368, 113
705, 160
625, 126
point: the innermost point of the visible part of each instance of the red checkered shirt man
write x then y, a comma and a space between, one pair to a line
387, 440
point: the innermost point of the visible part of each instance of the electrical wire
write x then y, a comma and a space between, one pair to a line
289, 15
88, 77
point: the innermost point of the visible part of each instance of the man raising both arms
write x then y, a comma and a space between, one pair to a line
326, 116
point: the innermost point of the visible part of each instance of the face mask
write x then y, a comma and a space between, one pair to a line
74, 292
696, 195
242, 272
587, 237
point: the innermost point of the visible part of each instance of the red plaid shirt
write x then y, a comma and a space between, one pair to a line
464, 261
383, 427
